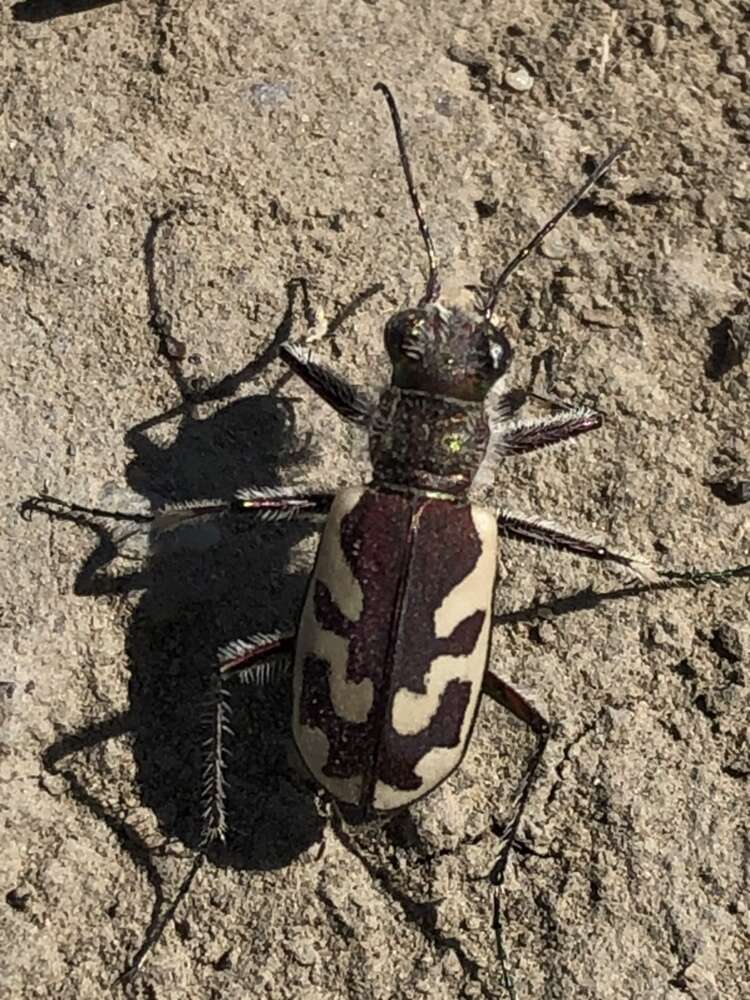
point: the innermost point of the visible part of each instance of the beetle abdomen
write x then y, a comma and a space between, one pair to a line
393, 645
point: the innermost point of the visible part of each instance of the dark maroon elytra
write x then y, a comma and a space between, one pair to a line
407, 553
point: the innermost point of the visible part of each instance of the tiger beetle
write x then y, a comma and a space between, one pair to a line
390, 658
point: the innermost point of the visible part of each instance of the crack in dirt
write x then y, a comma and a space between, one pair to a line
422, 915
559, 768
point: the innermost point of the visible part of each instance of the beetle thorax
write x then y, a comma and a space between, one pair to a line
426, 442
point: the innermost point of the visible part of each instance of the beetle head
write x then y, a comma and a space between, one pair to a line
446, 351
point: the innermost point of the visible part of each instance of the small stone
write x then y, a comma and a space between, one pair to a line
518, 79
7, 690
452, 965
445, 105
486, 207
602, 317
687, 18
727, 643
173, 348
269, 95
733, 62
165, 61
18, 898
303, 952
712, 206
658, 40
732, 491
55, 784
554, 246
543, 633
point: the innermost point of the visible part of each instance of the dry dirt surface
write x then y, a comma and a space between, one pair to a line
167, 168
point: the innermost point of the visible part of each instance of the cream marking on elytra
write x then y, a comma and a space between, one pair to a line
474, 592
316, 748
332, 568
351, 700
411, 711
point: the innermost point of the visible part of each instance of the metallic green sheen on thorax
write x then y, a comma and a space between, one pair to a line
425, 442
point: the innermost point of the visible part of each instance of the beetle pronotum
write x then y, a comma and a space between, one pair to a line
390, 657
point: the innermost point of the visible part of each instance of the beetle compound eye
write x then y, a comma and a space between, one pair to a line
497, 353
412, 341
404, 336
500, 352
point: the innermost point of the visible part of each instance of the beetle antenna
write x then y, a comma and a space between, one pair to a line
432, 290
494, 289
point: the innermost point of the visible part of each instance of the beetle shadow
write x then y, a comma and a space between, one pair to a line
38, 11
202, 586
197, 593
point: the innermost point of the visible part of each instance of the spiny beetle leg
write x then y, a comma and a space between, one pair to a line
265, 504
256, 660
529, 435
506, 696
528, 528
345, 398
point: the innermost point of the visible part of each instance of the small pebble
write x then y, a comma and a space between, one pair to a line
519, 79
173, 348
18, 898
658, 40
303, 951
269, 94
445, 105
732, 491
474, 61
727, 643
554, 246
602, 317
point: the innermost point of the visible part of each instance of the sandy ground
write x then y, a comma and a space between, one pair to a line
181, 162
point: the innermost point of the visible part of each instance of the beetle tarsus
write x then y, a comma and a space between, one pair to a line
54, 507
509, 698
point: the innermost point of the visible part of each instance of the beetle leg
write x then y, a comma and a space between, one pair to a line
345, 398
256, 660
528, 528
506, 696
264, 503
521, 435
